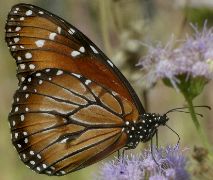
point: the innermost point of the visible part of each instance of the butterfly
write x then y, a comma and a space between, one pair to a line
73, 107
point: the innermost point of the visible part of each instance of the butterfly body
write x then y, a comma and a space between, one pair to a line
73, 106
144, 129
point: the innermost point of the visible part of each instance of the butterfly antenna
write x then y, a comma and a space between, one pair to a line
185, 112
180, 110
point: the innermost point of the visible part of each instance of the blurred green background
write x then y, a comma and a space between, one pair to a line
118, 27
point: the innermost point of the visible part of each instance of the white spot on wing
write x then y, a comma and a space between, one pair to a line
22, 66
22, 79
64, 140
28, 55
41, 12
75, 53
76, 75
53, 168
52, 36
16, 40
22, 117
32, 153
87, 81
38, 74
25, 88
59, 72
19, 58
24, 156
17, 29
16, 109
82, 49
94, 50
38, 156
71, 31
16, 135
39, 43
19, 145
32, 162
32, 66
59, 29
110, 63
29, 12
26, 140
21, 18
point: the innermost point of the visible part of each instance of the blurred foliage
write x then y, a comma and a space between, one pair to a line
118, 27
202, 167
197, 15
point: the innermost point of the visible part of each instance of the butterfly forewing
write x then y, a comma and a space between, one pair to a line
39, 39
60, 129
72, 102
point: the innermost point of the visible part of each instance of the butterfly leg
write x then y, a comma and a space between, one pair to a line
119, 154
123, 153
156, 140
153, 152
177, 136
156, 136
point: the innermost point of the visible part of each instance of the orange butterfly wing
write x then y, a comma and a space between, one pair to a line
73, 123
72, 103
39, 39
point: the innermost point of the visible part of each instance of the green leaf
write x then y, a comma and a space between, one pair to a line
190, 86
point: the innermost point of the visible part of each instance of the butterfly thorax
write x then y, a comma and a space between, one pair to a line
143, 129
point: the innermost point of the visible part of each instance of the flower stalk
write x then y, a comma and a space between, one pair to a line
196, 123
185, 65
191, 87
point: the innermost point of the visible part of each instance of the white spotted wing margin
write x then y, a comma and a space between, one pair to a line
31, 30
39, 39
61, 129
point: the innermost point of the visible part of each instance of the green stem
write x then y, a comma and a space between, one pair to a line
104, 11
198, 126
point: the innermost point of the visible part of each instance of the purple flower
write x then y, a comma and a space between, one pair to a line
193, 57
171, 165
158, 177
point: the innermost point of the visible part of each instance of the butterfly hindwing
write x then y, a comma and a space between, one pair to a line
57, 130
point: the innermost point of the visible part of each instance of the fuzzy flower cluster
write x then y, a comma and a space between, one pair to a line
192, 57
171, 165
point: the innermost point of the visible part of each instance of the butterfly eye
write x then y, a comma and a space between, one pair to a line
72, 104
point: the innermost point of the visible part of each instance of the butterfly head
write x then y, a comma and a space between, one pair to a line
153, 119
144, 129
